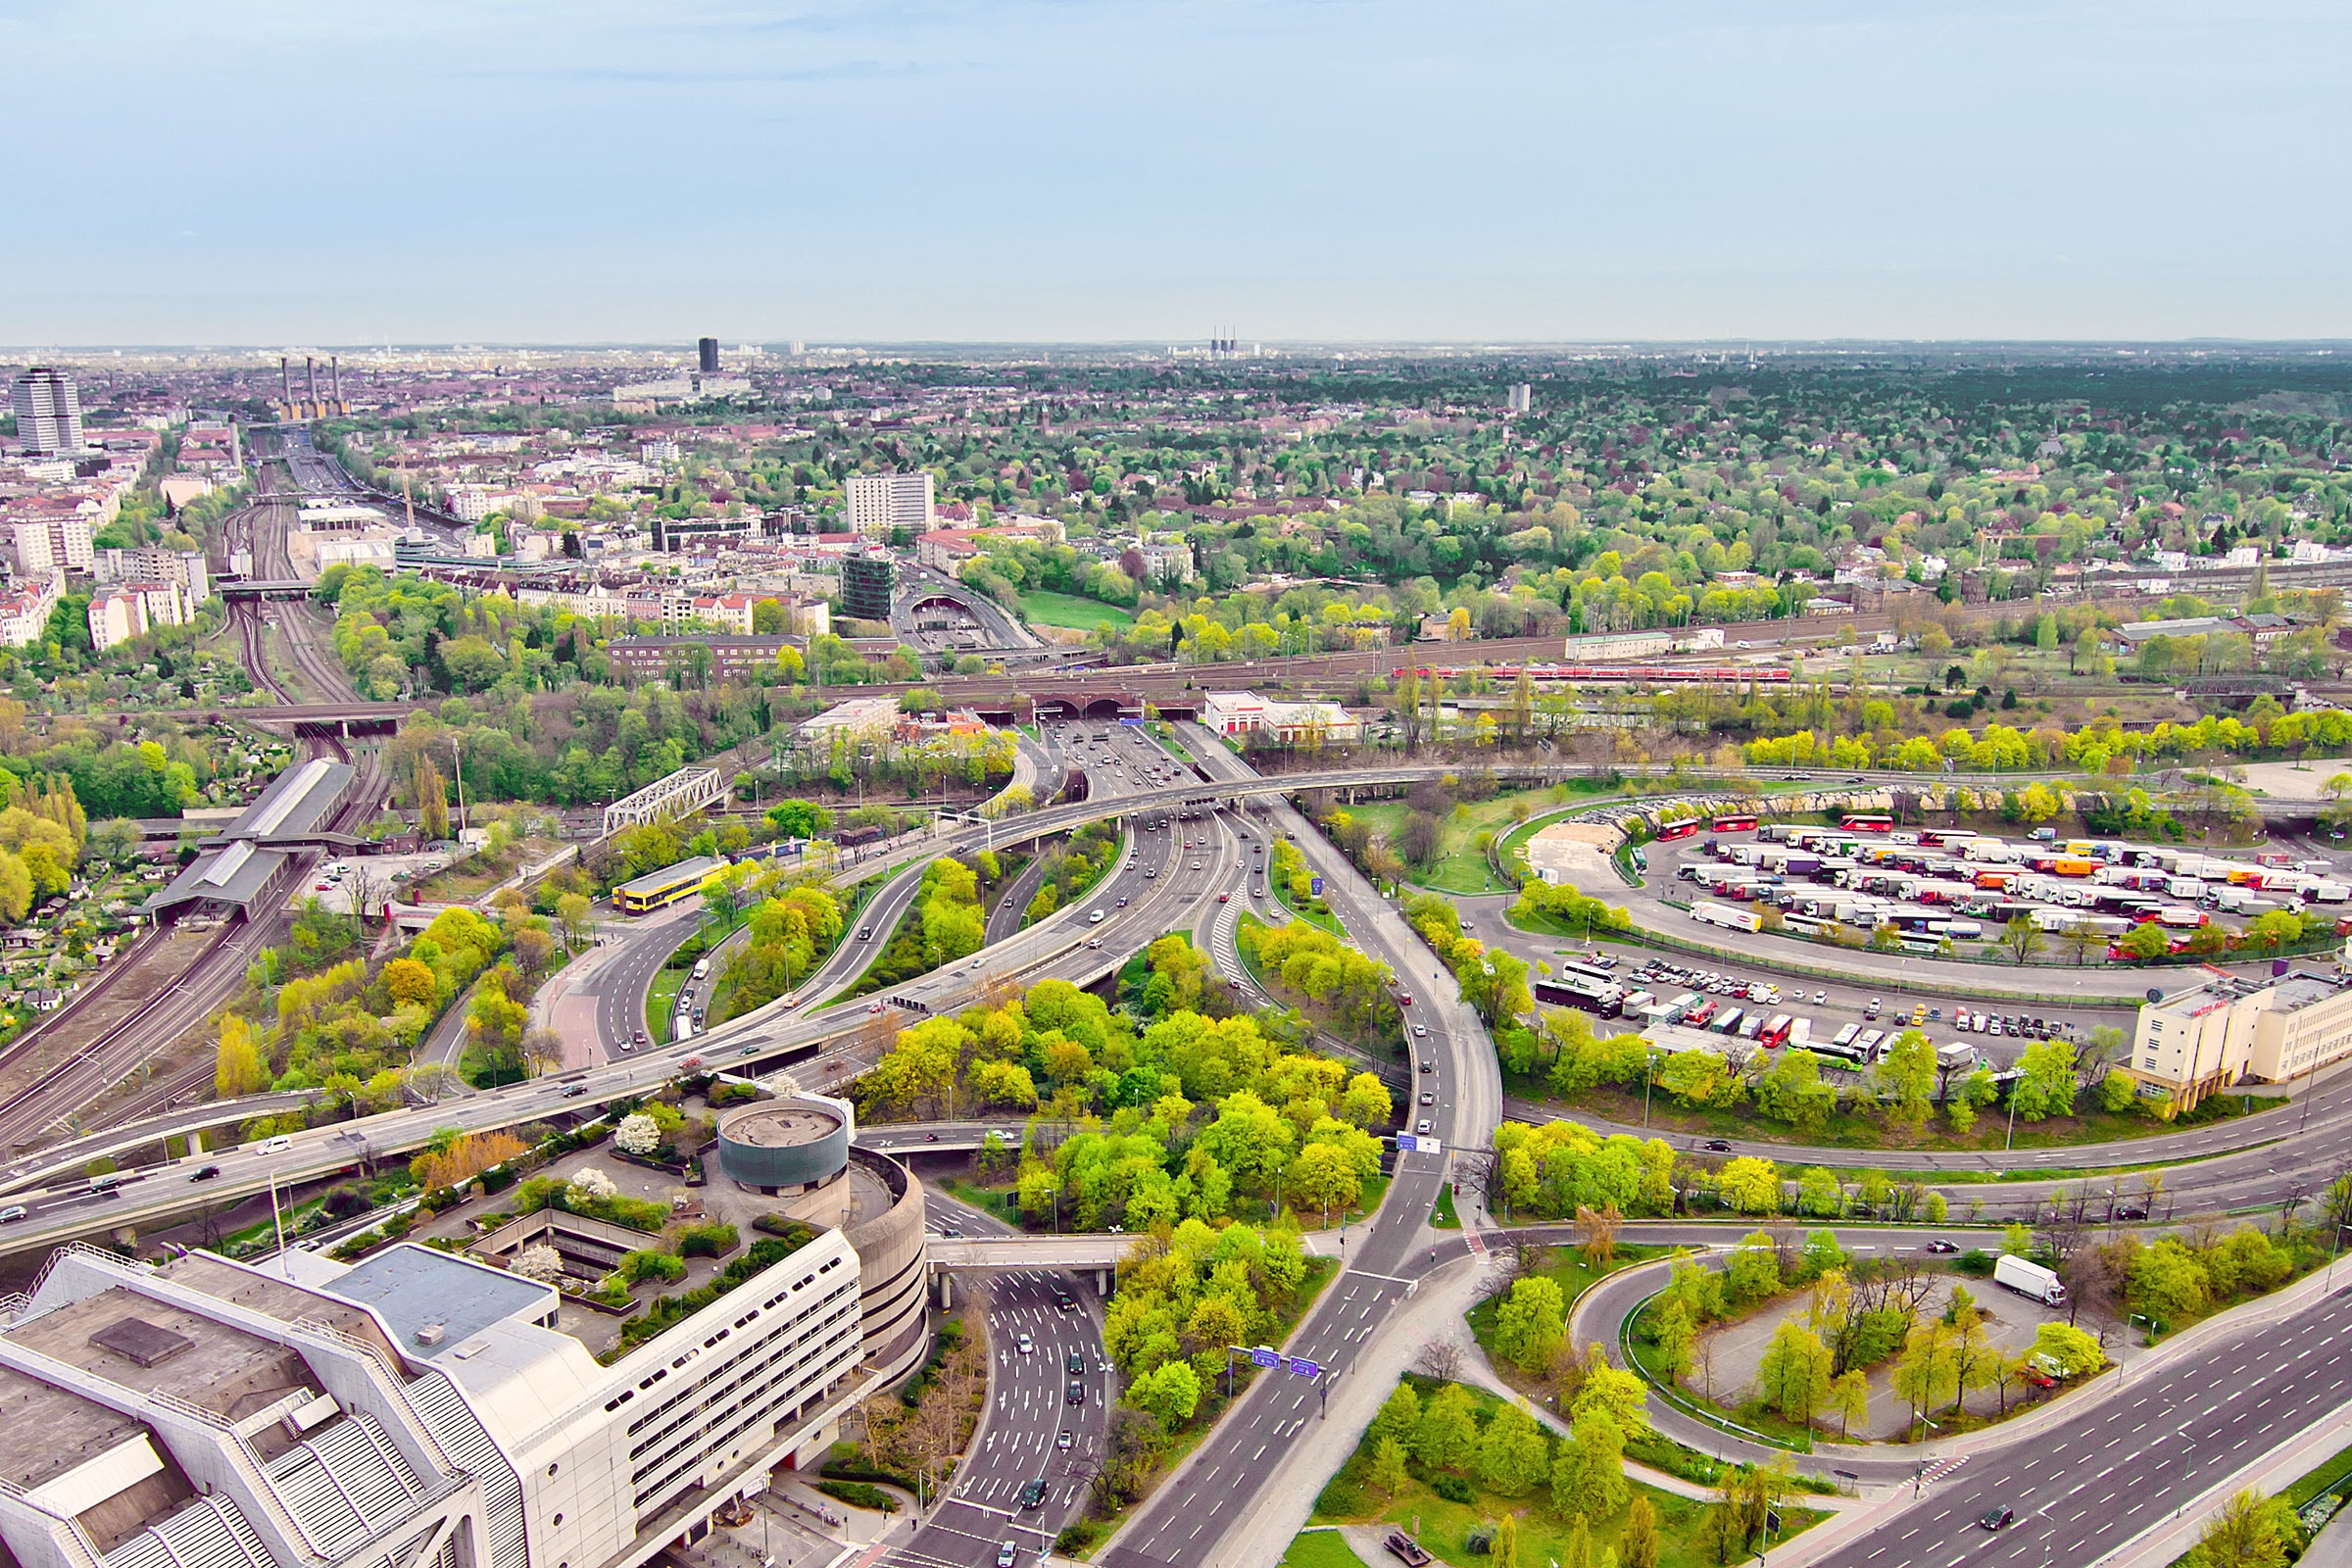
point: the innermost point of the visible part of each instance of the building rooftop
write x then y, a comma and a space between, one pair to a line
781, 1124
436, 1303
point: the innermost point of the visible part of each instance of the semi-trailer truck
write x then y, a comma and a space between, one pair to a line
2028, 1279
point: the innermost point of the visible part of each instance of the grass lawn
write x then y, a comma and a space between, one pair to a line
1351, 1498
1460, 866
1320, 1549
1049, 609
661, 1003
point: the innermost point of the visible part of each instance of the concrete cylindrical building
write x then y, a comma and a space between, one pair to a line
797, 1149
784, 1146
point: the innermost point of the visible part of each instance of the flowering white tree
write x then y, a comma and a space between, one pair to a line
590, 1185
540, 1261
637, 1134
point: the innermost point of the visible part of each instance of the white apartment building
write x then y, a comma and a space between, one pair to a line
52, 544
880, 503
24, 612
48, 409
189, 568
1167, 561
2232, 1029
417, 1409
133, 610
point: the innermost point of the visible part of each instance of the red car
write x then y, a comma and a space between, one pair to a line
1404, 998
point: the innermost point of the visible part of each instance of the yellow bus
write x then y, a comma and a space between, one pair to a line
657, 888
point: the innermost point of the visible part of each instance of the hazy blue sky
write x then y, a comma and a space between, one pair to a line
1440, 170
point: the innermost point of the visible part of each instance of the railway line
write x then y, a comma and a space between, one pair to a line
65, 1096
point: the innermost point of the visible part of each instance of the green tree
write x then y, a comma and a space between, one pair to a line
2022, 936
1531, 1327
1637, 1541
2073, 1352
2251, 1531
2048, 1080
1398, 1414
1849, 1401
1906, 1079
1754, 1272
1750, 1185
1791, 1091
1514, 1453
1169, 1394
1448, 1430
1794, 1372
1589, 1475
1387, 1466
1927, 1373
1675, 1333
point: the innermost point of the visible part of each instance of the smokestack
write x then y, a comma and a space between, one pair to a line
334, 368
309, 374
285, 381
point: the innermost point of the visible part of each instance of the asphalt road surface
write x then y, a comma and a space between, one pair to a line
1183, 1523
1029, 1413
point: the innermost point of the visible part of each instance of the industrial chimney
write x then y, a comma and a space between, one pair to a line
285, 381
334, 370
309, 375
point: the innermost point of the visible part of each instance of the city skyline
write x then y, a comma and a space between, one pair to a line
1282, 172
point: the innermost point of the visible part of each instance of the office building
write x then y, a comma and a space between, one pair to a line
880, 504
866, 585
1523, 397
2232, 1029
706, 353
48, 409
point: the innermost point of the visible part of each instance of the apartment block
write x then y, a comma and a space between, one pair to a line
55, 543
880, 503
25, 612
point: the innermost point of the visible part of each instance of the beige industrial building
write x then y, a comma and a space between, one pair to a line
2232, 1030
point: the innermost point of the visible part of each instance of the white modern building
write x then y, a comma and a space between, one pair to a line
880, 503
418, 1409
48, 409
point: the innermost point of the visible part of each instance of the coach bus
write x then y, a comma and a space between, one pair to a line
1678, 830
1599, 997
1867, 822
1735, 824
657, 890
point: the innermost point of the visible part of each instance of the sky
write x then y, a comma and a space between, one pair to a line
1093, 170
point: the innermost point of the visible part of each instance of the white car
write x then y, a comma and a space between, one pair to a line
1421, 1126
1025, 1344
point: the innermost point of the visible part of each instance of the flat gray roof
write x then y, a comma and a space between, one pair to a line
234, 868
414, 1288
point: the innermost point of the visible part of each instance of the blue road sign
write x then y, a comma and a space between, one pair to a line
1265, 1355
1315, 886
1301, 1367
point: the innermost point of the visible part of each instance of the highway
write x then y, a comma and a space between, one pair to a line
1184, 1522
